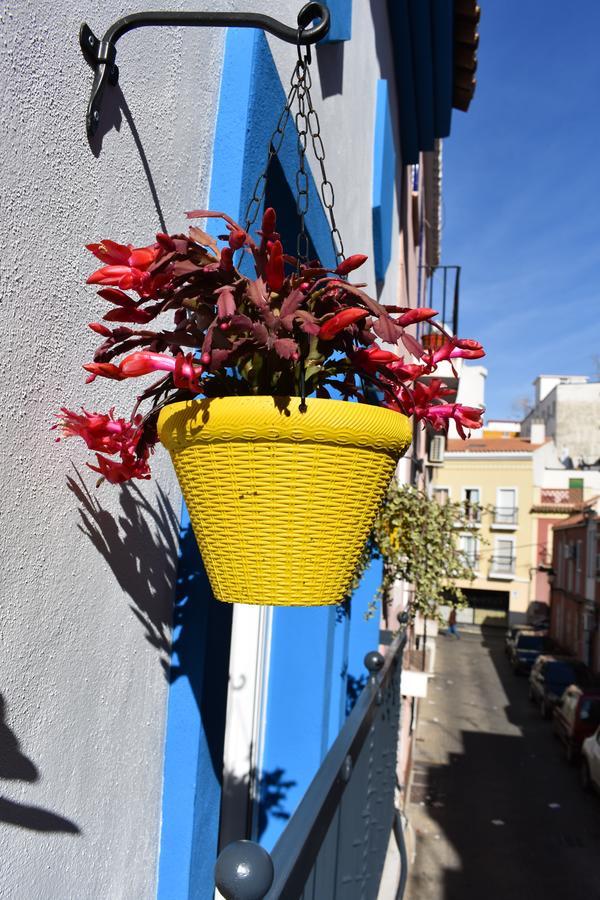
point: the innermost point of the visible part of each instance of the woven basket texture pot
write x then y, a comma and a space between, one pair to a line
281, 502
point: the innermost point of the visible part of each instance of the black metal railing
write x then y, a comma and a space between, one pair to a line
505, 515
443, 294
502, 565
335, 844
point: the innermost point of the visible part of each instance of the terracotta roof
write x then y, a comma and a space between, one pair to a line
491, 445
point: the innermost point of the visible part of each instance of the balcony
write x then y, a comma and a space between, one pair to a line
559, 500
505, 518
473, 514
472, 559
350, 804
502, 567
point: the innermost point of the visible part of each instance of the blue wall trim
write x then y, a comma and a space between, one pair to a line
423, 47
341, 21
250, 101
195, 719
384, 176
442, 21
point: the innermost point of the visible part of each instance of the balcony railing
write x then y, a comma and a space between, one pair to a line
473, 514
502, 565
349, 808
472, 559
506, 516
561, 496
443, 293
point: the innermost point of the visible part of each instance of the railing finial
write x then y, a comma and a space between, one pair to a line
244, 871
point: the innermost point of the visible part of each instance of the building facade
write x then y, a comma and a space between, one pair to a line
569, 408
575, 585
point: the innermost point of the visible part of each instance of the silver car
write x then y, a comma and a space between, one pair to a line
590, 762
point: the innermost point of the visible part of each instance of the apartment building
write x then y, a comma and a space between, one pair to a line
575, 580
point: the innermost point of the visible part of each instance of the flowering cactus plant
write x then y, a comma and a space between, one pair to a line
295, 328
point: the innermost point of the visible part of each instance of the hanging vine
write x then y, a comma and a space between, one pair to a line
418, 540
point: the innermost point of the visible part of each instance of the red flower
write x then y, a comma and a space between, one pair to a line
113, 254
353, 262
274, 271
116, 472
132, 314
106, 370
416, 315
127, 268
341, 320
100, 431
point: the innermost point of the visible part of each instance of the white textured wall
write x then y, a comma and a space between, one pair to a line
83, 687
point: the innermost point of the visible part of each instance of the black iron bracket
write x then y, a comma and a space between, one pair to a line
101, 54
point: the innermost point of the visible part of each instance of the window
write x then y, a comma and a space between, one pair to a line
503, 560
469, 546
441, 495
471, 500
506, 506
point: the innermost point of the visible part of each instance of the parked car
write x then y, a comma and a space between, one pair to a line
526, 648
590, 762
511, 635
577, 717
550, 676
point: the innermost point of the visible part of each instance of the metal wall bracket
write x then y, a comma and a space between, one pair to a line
101, 55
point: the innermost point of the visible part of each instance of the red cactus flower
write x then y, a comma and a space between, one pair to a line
116, 472
113, 254
341, 320
416, 315
105, 370
132, 314
143, 362
269, 221
350, 264
275, 271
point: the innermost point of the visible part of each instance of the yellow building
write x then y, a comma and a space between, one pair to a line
494, 478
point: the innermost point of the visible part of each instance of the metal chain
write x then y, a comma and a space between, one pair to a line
301, 122
327, 192
275, 143
307, 122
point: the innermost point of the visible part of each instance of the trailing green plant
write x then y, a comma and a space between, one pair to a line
418, 540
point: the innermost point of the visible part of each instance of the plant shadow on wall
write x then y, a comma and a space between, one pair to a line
141, 549
158, 565
16, 766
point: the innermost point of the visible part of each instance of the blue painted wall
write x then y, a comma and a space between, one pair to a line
384, 177
341, 21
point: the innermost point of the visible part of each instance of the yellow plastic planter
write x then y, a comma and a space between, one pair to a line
282, 502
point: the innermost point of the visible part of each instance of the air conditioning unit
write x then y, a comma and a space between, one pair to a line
435, 454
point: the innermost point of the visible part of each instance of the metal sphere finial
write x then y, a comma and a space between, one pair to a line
374, 661
244, 871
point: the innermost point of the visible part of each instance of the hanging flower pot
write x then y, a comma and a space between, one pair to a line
281, 478
282, 501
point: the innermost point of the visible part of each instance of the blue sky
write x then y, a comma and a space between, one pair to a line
522, 195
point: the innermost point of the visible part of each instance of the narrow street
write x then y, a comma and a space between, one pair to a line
497, 812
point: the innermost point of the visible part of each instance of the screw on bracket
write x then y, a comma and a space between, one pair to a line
244, 871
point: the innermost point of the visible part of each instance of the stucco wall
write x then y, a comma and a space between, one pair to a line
86, 574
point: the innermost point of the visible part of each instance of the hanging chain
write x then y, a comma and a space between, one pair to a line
307, 122
301, 121
275, 143
327, 192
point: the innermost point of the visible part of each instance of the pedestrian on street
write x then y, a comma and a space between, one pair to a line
452, 624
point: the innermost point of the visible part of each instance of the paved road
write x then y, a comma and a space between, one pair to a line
498, 813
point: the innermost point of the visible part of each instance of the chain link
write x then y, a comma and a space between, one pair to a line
307, 123
275, 143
